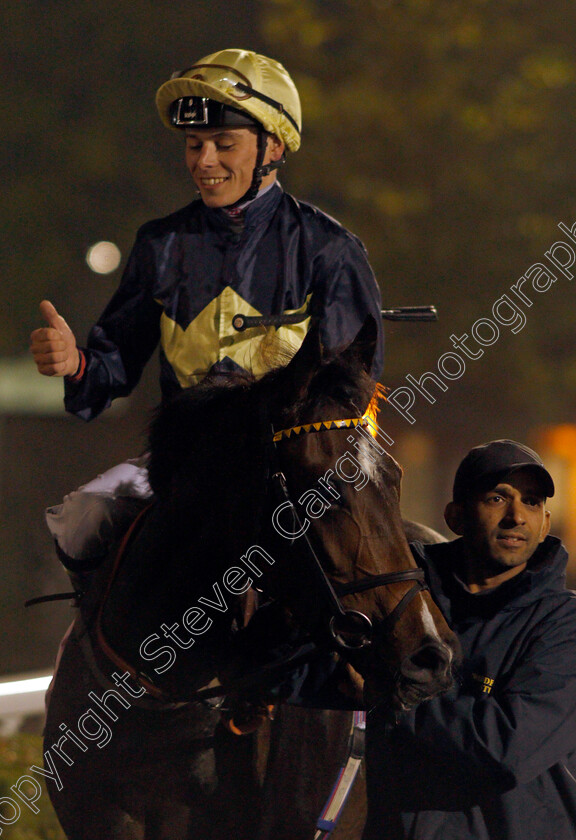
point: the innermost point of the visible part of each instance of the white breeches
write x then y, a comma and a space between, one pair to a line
83, 524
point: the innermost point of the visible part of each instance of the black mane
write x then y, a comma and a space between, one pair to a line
218, 407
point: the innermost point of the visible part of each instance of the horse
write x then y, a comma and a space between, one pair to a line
275, 486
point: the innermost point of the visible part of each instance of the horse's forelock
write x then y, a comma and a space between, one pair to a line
337, 386
232, 401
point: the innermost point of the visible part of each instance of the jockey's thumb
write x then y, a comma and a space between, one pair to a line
54, 320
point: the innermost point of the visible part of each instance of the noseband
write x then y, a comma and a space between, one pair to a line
349, 629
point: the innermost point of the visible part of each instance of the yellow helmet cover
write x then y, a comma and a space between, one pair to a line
243, 80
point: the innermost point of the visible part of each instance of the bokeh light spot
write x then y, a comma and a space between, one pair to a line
103, 257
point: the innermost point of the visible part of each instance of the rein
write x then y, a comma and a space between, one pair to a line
140, 678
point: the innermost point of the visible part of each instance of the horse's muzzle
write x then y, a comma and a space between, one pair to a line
424, 673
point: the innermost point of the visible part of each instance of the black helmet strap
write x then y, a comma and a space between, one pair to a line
261, 170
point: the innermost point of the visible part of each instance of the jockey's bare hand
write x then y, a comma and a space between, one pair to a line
54, 347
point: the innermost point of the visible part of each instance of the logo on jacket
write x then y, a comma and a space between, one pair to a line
485, 682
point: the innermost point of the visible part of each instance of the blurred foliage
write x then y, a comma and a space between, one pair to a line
17, 755
442, 133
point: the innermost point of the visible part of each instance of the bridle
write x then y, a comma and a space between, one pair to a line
349, 629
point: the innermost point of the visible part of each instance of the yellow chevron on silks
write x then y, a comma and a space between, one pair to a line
210, 337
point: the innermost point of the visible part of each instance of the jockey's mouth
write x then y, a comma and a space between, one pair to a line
212, 181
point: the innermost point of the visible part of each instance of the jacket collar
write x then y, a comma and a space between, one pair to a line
256, 213
546, 573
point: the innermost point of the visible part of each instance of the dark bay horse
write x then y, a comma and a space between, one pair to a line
274, 484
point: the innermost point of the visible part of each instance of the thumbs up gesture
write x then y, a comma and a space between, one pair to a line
54, 347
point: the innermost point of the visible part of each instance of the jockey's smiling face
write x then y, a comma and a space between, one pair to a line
222, 160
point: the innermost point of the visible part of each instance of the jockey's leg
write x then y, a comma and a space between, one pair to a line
91, 518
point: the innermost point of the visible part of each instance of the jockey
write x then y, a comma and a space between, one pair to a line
244, 247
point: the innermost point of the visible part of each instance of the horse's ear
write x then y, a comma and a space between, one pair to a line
301, 369
362, 349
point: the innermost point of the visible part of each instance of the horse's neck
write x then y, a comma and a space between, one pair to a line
170, 591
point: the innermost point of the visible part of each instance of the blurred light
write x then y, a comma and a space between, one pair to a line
24, 686
103, 257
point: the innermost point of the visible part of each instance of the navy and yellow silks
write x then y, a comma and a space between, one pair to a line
189, 274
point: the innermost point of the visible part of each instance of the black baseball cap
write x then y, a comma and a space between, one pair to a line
486, 464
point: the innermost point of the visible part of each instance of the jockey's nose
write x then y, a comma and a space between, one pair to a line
208, 155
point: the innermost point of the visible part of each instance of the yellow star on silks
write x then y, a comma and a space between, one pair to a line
210, 338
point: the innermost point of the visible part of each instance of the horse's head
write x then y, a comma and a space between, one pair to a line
235, 472
337, 503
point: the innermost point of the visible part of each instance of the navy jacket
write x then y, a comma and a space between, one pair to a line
496, 757
191, 272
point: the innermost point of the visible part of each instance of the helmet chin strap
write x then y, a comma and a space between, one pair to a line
274, 164
261, 170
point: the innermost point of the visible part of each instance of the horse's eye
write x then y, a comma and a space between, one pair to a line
337, 492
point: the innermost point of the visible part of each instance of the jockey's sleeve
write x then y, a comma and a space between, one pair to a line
119, 344
346, 297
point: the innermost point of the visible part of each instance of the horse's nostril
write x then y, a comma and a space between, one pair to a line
431, 661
